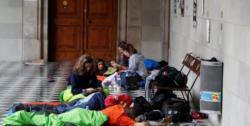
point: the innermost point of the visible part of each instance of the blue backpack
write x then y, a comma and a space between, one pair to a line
151, 64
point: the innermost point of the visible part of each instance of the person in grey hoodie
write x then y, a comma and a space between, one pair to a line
135, 67
136, 61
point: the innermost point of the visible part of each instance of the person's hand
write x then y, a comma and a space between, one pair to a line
90, 90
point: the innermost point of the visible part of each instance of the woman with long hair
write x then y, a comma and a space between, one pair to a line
136, 60
135, 68
122, 62
83, 77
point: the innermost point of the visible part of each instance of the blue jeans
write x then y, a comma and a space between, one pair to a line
94, 101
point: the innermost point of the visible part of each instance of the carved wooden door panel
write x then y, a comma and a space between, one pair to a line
100, 28
82, 26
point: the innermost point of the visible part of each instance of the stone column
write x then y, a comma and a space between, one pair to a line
122, 4
166, 23
147, 26
11, 30
44, 35
31, 30
134, 23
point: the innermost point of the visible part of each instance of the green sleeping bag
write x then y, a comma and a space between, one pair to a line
76, 117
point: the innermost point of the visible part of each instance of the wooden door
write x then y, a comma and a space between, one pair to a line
101, 28
82, 26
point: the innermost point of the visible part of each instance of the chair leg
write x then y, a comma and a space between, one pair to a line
190, 95
153, 92
187, 93
183, 95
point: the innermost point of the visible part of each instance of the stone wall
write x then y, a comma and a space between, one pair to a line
147, 22
229, 42
31, 29
11, 30
23, 30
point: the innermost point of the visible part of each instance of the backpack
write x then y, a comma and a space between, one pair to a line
178, 109
128, 80
171, 77
154, 115
143, 103
150, 64
160, 96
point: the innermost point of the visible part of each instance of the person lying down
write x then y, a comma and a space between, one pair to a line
117, 115
119, 112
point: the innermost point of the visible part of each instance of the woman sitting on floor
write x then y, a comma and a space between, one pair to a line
135, 66
83, 77
122, 62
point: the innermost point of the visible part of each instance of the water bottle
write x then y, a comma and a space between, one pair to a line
110, 87
116, 88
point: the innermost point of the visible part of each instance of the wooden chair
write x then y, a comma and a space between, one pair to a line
193, 65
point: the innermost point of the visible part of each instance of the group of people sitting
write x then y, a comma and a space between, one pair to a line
95, 107
83, 78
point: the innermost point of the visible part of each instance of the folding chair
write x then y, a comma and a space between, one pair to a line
192, 64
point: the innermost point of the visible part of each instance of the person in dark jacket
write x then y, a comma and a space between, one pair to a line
83, 77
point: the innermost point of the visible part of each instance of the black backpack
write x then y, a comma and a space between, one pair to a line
143, 103
178, 109
160, 96
131, 83
154, 115
171, 77
129, 80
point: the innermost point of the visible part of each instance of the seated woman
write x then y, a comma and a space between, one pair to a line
122, 62
135, 66
136, 61
83, 77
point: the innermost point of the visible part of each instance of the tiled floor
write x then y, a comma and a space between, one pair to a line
21, 83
